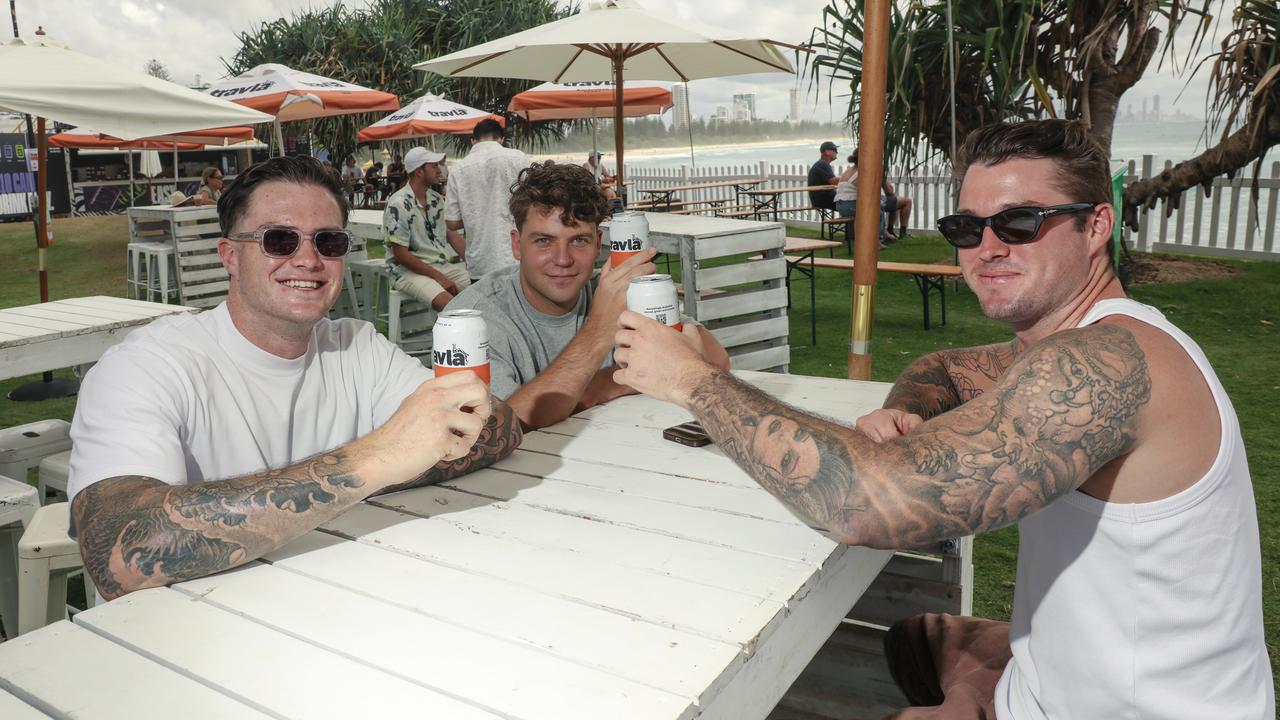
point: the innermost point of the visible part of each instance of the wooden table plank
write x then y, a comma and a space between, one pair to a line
281, 674
512, 678
727, 568
793, 542
684, 605
11, 708
652, 655
69, 671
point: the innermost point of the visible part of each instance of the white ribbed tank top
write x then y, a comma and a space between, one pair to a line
1147, 610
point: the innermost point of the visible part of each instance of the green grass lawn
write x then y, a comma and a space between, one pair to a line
1233, 319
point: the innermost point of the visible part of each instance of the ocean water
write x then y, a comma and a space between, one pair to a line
1174, 141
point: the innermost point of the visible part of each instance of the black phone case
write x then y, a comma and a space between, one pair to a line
690, 433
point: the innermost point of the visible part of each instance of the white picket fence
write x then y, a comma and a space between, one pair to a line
1225, 224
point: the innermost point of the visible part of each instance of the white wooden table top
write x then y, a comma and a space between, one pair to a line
599, 572
69, 331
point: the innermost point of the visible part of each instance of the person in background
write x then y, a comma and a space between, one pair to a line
821, 173
427, 267
210, 187
372, 181
352, 178
600, 173
477, 203
395, 175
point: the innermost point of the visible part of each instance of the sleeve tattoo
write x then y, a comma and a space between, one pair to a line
1067, 406
944, 380
139, 532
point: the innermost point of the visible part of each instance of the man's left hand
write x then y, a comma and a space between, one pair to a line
657, 360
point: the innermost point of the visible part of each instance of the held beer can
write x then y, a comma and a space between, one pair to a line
654, 296
628, 235
461, 342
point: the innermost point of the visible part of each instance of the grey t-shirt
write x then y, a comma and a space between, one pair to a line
522, 340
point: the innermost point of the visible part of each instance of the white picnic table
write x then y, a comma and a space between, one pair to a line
62, 333
598, 572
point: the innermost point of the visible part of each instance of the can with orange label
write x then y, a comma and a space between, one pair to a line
654, 296
628, 235
461, 342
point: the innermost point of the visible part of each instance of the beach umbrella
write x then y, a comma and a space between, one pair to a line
44, 78
582, 100
610, 38
290, 94
428, 115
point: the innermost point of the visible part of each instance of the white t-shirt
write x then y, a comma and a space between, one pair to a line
1143, 610
479, 194
188, 399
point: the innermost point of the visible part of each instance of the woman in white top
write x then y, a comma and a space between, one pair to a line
847, 189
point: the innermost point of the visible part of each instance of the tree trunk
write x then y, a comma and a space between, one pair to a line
1238, 150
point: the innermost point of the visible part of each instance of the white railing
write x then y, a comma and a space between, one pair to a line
1224, 224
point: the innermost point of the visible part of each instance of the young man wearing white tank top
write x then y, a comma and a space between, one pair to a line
1100, 429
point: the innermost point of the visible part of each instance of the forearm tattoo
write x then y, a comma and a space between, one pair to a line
942, 381
500, 437
1066, 407
140, 532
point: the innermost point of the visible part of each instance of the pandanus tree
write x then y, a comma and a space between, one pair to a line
376, 46
1020, 59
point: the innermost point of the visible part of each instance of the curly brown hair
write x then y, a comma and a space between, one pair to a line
569, 188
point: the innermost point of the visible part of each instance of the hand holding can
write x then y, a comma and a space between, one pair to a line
654, 296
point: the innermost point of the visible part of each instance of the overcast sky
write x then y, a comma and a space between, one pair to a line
189, 37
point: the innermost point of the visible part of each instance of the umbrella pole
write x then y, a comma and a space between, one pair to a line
131, 191
47, 387
175, 165
275, 127
617, 121
875, 53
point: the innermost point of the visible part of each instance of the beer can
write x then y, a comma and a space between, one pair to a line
654, 296
628, 235
460, 341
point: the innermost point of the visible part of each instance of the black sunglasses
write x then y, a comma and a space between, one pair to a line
280, 241
1014, 226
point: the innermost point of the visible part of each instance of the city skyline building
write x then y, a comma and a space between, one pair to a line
744, 107
680, 115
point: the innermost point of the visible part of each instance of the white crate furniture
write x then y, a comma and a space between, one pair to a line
18, 505
47, 557
53, 474
742, 302
193, 234
150, 272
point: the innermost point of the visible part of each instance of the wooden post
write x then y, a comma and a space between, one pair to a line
866, 246
618, 58
42, 188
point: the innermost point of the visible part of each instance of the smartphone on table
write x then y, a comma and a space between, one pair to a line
690, 433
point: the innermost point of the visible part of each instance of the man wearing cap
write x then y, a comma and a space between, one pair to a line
427, 266
479, 192
600, 173
823, 174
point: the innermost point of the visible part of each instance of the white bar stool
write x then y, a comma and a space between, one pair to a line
18, 506
151, 265
22, 447
53, 474
47, 556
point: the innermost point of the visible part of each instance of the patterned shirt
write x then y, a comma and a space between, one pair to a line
417, 227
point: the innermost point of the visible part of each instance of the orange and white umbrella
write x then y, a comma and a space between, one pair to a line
428, 115
86, 139
582, 100
290, 94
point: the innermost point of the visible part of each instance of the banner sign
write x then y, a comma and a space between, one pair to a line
18, 180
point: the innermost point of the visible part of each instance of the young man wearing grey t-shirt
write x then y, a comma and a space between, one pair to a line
550, 331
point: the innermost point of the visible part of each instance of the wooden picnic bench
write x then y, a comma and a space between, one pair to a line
681, 205
928, 276
798, 250
663, 195
766, 201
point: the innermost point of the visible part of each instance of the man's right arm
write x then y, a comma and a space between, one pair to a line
943, 380
556, 391
137, 532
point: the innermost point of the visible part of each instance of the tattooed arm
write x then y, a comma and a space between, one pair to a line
1064, 408
138, 532
943, 380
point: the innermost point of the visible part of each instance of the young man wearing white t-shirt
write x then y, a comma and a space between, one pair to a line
1101, 429
203, 441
